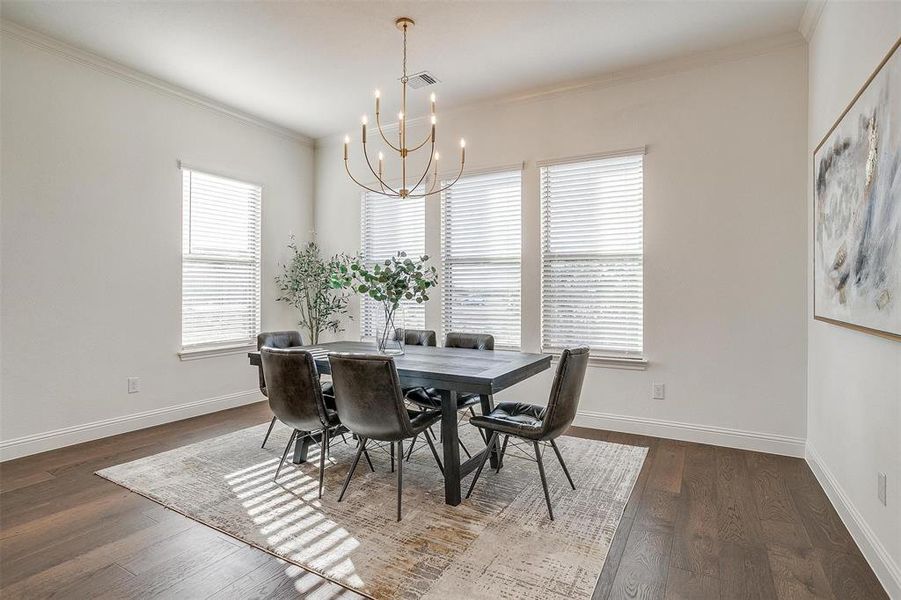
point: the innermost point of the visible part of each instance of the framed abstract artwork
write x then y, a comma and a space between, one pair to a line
857, 210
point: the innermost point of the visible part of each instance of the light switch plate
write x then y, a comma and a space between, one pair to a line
880, 489
658, 391
134, 385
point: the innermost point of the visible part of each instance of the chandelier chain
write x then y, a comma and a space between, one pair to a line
405, 54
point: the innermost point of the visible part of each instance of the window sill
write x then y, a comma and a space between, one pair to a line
214, 351
614, 362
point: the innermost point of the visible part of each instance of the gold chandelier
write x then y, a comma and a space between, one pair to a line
402, 148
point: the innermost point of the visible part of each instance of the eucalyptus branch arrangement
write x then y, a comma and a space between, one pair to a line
308, 283
389, 282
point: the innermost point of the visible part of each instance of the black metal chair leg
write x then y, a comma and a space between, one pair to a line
328, 448
285, 455
500, 458
412, 444
491, 442
400, 474
268, 431
392, 457
368, 460
468, 455
322, 453
562, 464
482, 434
547, 496
428, 439
365, 453
353, 467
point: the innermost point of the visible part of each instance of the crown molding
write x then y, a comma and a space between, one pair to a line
654, 70
119, 71
811, 18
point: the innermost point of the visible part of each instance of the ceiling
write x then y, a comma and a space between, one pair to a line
312, 66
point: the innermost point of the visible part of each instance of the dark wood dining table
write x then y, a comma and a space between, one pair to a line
451, 371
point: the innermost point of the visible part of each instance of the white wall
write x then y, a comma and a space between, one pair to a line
91, 246
725, 212
854, 379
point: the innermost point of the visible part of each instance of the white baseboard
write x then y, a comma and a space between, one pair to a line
886, 569
690, 432
58, 438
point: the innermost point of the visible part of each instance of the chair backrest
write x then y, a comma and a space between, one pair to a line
295, 396
417, 337
564, 400
279, 339
473, 341
368, 396
276, 339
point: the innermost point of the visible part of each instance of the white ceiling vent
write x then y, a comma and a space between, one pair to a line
421, 80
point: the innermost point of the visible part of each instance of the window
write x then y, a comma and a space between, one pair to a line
390, 226
481, 234
591, 255
220, 303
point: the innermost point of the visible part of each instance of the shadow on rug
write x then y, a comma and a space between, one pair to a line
498, 543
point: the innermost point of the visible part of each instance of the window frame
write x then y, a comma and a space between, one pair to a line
212, 348
446, 262
626, 360
365, 321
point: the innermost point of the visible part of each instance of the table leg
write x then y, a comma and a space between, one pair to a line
451, 447
302, 447
487, 406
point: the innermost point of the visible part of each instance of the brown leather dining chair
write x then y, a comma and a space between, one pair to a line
538, 424
430, 398
296, 399
417, 337
371, 405
284, 339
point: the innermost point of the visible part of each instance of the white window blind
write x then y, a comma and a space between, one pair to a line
591, 261
220, 261
389, 226
481, 239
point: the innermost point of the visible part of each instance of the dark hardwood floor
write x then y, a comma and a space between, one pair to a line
703, 522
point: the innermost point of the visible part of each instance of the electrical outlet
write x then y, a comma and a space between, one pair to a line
880, 488
134, 385
658, 391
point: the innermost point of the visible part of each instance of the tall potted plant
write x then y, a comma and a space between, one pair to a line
389, 282
307, 282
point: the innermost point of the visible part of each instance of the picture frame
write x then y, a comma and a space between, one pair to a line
857, 210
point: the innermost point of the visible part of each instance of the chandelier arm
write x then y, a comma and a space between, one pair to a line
382, 183
424, 142
378, 125
438, 191
427, 167
434, 179
366, 187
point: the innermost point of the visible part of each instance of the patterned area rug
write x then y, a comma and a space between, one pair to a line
498, 544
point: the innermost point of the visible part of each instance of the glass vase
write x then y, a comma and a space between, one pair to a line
391, 339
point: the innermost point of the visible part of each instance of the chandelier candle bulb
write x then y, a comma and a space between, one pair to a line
433, 103
364, 120
346, 142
